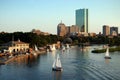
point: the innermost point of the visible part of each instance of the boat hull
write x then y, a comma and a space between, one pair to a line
57, 69
107, 57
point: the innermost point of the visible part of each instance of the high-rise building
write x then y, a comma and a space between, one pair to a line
82, 19
114, 31
106, 30
61, 29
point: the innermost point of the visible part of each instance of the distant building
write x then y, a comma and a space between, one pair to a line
38, 32
16, 46
61, 29
113, 31
106, 30
92, 34
83, 34
74, 29
82, 19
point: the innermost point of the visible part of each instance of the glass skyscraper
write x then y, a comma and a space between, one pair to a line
82, 19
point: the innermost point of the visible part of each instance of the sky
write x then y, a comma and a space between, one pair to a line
45, 15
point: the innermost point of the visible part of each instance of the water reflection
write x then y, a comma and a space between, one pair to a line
85, 49
57, 75
77, 65
107, 61
25, 60
53, 53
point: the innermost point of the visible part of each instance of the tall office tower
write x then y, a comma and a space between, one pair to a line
114, 31
82, 19
106, 30
61, 29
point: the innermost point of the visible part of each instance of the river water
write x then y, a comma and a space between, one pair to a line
77, 63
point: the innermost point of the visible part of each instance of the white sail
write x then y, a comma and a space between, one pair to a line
67, 46
107, 52
53, 48
54, 64
36, 49
58, 62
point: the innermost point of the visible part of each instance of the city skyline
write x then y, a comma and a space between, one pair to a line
25, 15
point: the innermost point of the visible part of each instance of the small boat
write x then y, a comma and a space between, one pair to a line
52, 47
36, 49
67, 46
57, 64
107, 56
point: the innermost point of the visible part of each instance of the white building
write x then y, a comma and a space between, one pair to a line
16, 46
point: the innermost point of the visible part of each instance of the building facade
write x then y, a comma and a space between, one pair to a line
74, 29
82, 19
16, 46
61, 29
38, 32
114, 31
106, 30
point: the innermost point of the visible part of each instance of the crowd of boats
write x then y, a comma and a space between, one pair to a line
51, 48
34, 52
57, 66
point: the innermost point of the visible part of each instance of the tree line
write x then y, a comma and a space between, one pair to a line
43, 40
29, 37
100, 39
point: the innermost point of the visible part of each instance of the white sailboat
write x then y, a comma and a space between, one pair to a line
57, 64
52, 47
67, 46
107, 56
36, 49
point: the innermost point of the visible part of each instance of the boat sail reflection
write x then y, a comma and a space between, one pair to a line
107, 61
57, 75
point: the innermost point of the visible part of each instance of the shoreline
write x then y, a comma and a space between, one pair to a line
20, 56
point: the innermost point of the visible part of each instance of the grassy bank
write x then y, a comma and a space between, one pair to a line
104, 50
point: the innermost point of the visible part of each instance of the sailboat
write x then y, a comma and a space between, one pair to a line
52, 47
36, 49
67, 46
107, 56
57, 64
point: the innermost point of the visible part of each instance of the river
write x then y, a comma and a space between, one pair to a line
77, 63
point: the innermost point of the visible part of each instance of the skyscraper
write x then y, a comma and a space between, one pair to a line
106, 30
82, 19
